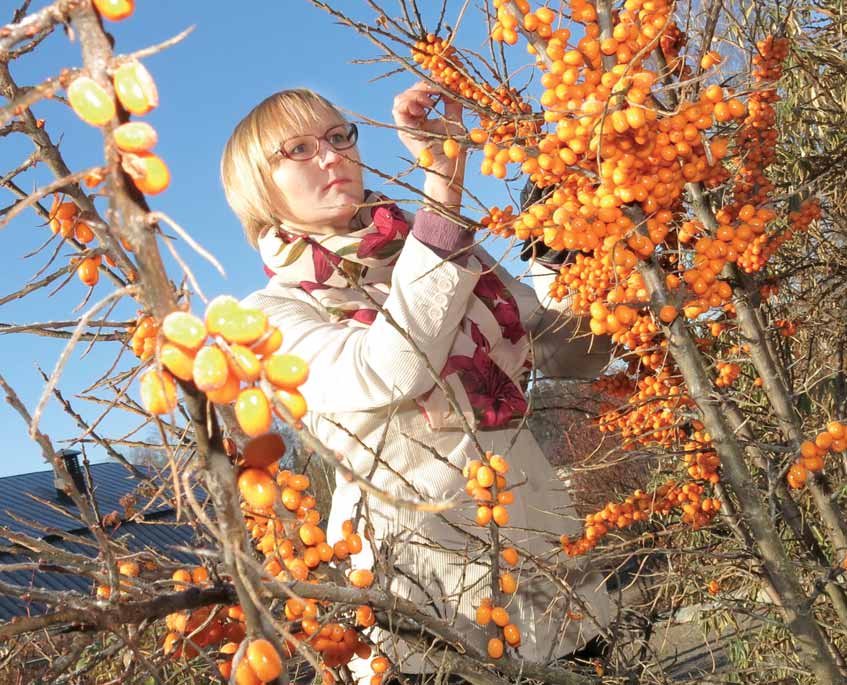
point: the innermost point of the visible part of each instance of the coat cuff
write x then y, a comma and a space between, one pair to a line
443, 236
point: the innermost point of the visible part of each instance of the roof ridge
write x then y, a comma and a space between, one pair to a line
90, 464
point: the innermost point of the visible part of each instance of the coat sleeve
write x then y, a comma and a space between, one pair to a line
562, 345
355, 368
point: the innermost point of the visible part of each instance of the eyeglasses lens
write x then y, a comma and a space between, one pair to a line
341, 137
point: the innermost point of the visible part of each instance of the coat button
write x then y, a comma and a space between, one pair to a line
441, 300
444, 286
436, 313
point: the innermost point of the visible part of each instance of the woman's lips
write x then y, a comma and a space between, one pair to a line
336, 182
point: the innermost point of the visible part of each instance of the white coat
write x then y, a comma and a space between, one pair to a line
366, 378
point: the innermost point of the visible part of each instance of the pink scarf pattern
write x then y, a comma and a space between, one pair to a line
488, 364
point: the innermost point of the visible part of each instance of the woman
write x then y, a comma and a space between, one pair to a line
333, 250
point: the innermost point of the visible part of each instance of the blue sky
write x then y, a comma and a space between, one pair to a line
235, 56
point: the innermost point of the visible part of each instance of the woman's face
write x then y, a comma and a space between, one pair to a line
321, 194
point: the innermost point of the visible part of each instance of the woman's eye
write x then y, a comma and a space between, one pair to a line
337, 138
298, 149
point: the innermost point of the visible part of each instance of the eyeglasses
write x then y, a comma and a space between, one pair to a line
303, 148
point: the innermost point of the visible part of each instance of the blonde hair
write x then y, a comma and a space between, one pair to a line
245, 165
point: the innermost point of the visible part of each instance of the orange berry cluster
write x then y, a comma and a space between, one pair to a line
485, 614
695, 509
764, 246
618, 385
728, 372
243, 351
65, 219
539, 22
702, 460
143, 337
651, 414
756, 139
812, 453
487, 485
499, 221
192, 629
295, 547
136, 91
439, 57
785, 327
128, 569
505, 116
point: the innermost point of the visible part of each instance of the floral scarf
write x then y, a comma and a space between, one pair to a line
489, 360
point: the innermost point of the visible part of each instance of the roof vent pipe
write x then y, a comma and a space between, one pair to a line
71, 462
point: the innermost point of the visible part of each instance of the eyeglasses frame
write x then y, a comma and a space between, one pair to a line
354, 133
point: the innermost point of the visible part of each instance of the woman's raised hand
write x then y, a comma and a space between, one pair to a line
411, 111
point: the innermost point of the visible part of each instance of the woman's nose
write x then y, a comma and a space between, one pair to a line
327, 155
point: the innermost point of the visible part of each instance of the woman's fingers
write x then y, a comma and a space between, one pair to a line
413, 105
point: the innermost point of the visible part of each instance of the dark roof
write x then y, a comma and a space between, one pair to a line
157, 531
18, 495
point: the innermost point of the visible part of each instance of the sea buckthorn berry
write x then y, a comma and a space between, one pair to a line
499, 464
500, 514
84, 234
365, 616
483, 515
148, 172
713, 587
668, 313
500, 616
181, 578
243, 363
227, 393
210, 370
294, 402
253, 412
361, 577
836, 429
199, 575
286, 371
512, 634
380, 665
495, 648
425, 158
135, 88
115, 10
218, 311
269, 343
311, 535
485, 476
158, 392
244, 675
257, 488
510, 555
264, 660
263, 450
508, 584
291, 499
135, 136
478, 136
89, 271
129, 568
299, 481
341, 550
90, 101
354, 543
177, 360
243, 326
451, 148
483, 614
